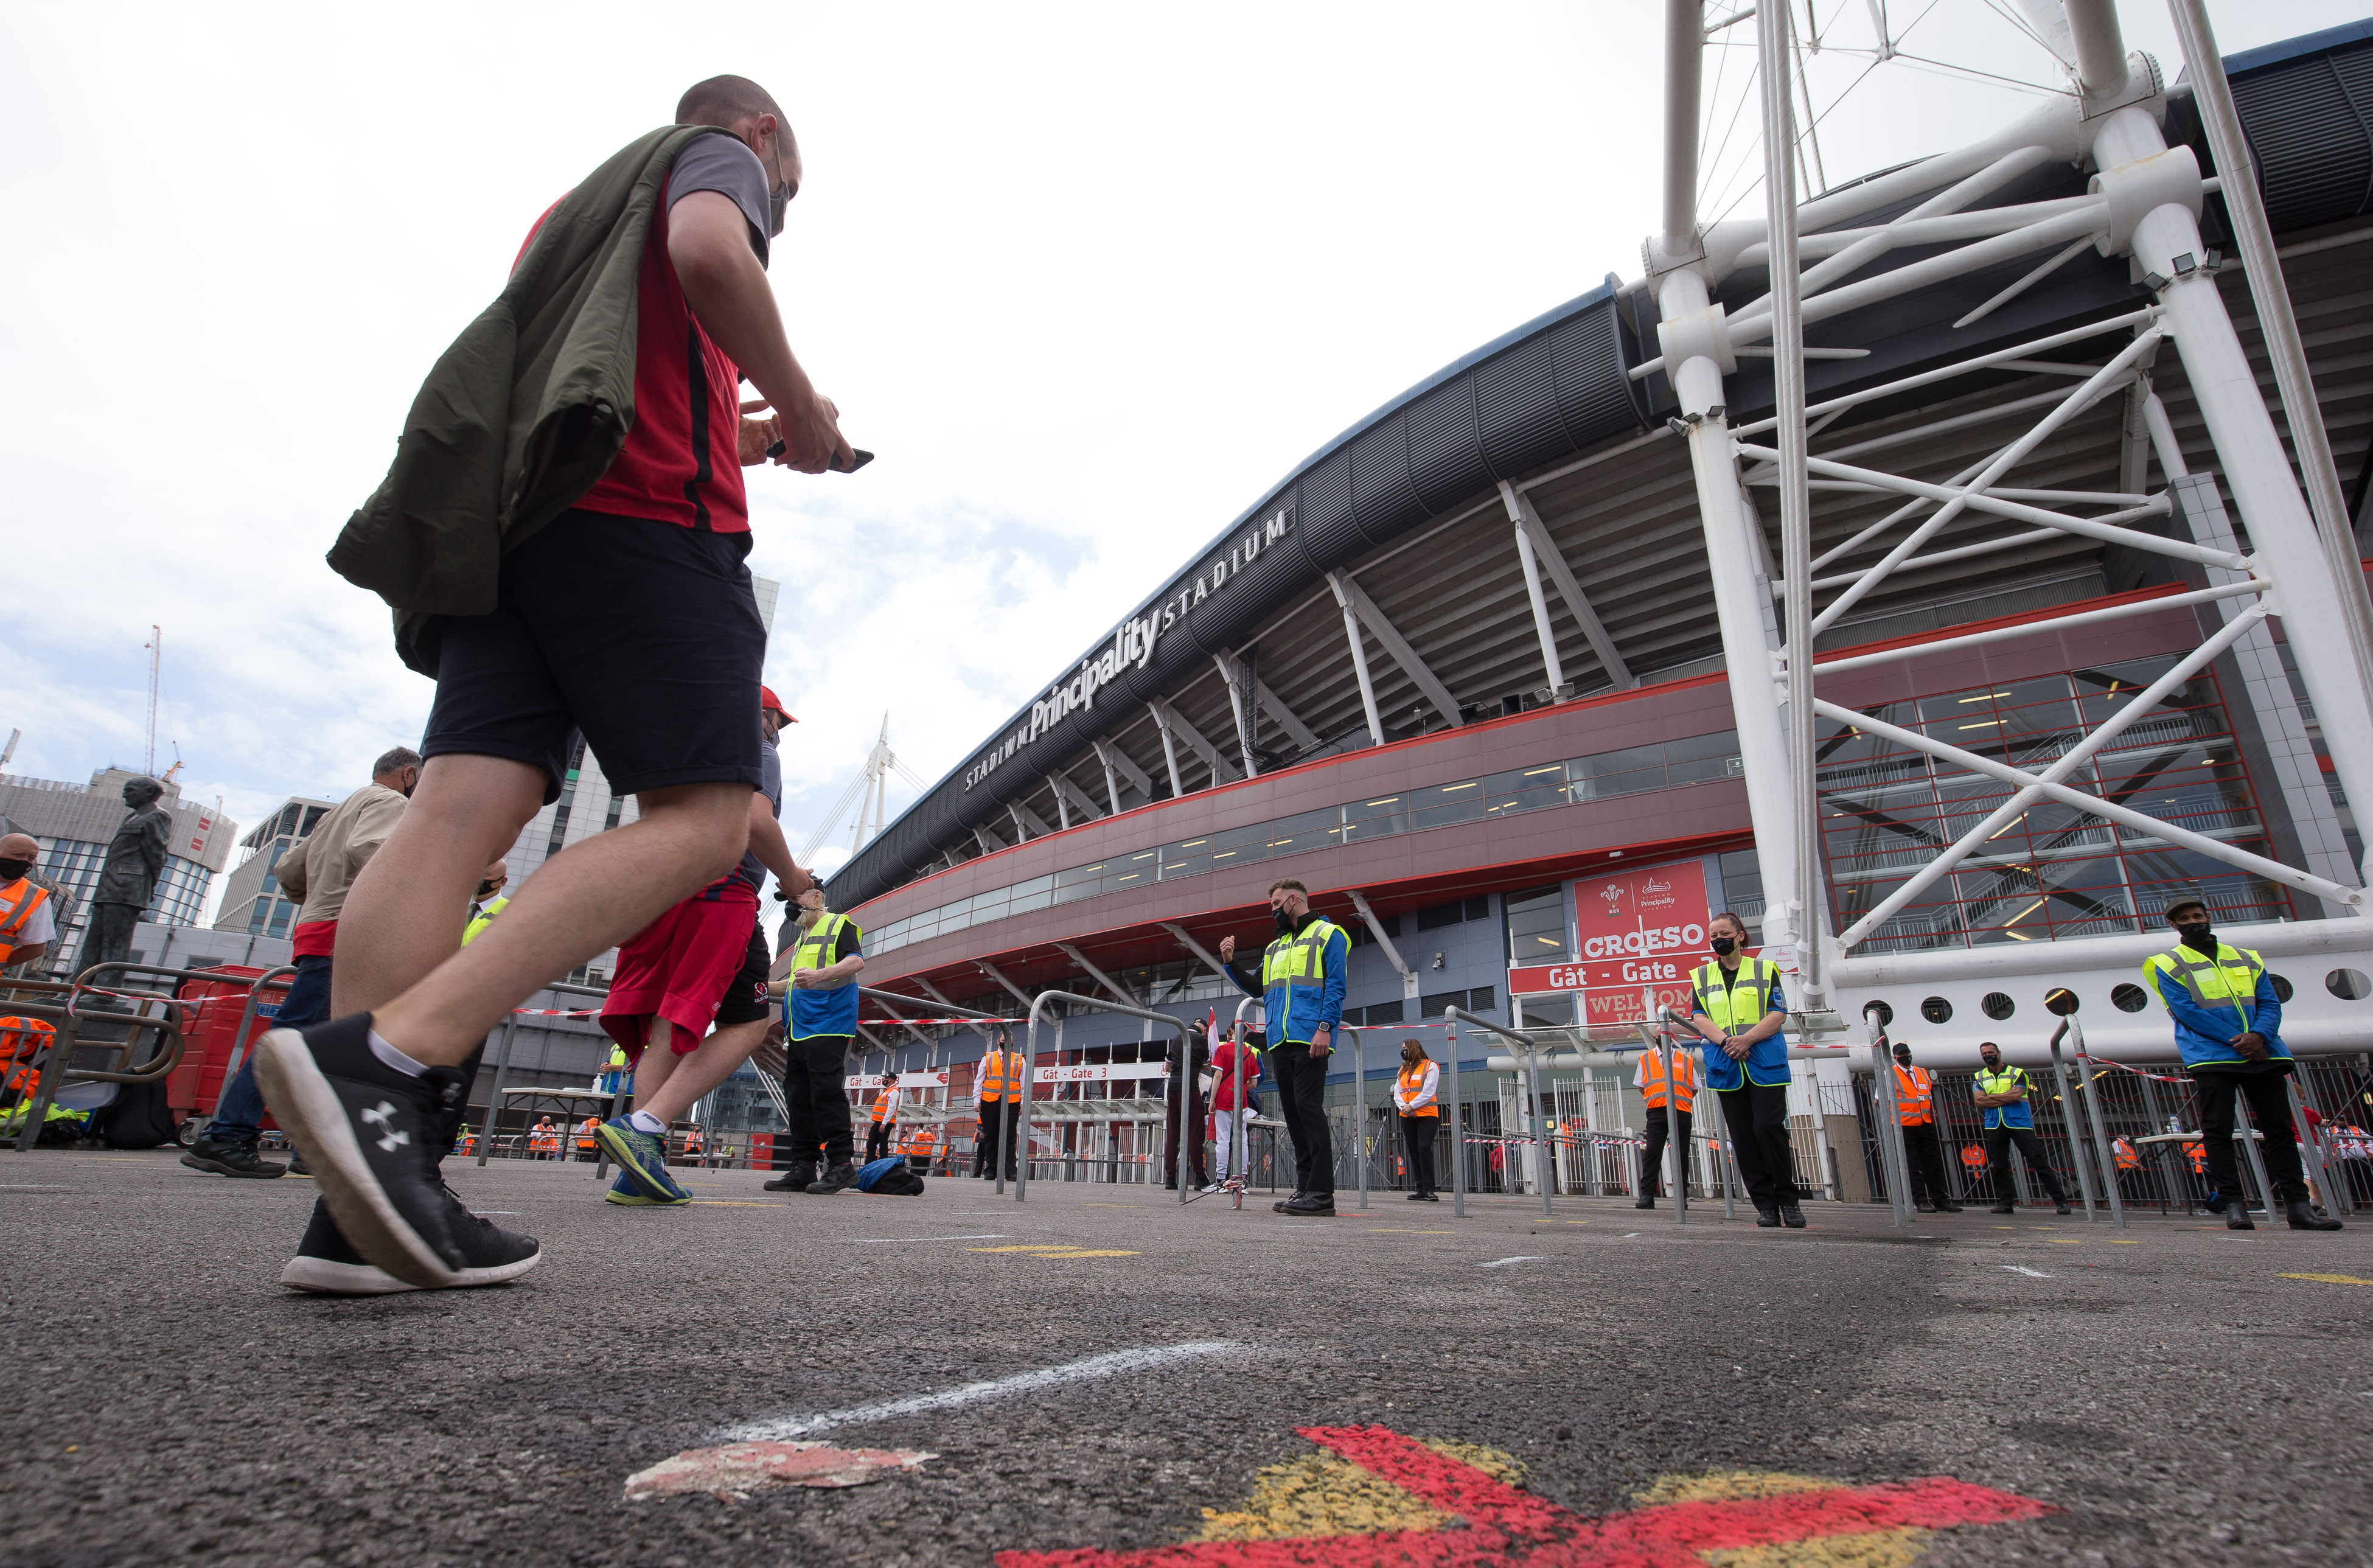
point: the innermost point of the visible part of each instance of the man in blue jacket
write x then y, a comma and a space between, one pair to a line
1301, 986
2228, 1025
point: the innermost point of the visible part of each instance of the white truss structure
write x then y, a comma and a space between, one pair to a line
2144, 202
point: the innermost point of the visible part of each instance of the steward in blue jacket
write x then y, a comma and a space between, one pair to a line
1301, 986
1737, 1007
2228, 1023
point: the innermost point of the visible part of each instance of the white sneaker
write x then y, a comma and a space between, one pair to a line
1215, 1187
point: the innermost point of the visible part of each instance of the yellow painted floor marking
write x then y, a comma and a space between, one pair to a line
734, 1203
2065, 1241
1884, 1549
2331, 1279
2115, 1242
1057, 1251
1574, 1222
1322, 1496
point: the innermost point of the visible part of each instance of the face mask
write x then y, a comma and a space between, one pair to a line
1283, 917
11, 869
1725, 945
486, 890
2193, 932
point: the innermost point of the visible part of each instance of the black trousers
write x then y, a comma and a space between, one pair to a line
2270, 1107
1651, 1158
1301, 1100
877, 1140
1418, 1134
1757, 1116
1999, 1140
1191, 1126
998, 1125
814, 1074
1924, 1156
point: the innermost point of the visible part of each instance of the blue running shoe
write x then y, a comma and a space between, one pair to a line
642, 1158
623, 1190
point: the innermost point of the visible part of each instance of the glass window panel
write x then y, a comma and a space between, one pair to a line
1606, 786
1311, 830
1630, 759
1525, 790
1035, 893
1187, 857
1696, 770
1376, 817
1692, 748
1123, 872
1537, 927
1446, 804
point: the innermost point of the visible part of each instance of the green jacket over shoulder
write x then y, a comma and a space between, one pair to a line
522, 414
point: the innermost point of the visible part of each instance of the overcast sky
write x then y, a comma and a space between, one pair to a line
1088, 279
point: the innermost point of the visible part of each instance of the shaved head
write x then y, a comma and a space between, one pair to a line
19, 847
726, 102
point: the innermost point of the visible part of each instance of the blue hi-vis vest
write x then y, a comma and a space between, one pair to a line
829, 1012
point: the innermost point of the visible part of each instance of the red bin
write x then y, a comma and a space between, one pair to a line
210, 1014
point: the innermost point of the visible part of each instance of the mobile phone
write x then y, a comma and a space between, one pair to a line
863, 457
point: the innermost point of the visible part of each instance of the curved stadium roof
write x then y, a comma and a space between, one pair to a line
1555, 394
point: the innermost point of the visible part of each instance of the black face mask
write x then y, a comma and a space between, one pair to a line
1903, 1058
1283, 917
485, 891
1724, 946
2195, 935
11, 869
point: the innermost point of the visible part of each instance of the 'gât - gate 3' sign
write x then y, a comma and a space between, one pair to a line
1641, 931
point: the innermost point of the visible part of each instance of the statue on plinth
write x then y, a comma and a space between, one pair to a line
127, 879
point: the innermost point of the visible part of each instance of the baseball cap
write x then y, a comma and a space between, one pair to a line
769, 703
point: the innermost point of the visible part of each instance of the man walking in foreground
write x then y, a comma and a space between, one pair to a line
1302, 983
2228, 1021
549, 466
703, 962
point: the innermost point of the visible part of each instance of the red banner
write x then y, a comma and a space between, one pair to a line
1641, 933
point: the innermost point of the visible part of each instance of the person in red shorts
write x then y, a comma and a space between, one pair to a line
562, 535
703, 962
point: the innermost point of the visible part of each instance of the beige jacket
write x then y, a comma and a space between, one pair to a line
321, 868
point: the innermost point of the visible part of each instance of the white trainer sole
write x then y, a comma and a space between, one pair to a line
303, 1103
325, 1277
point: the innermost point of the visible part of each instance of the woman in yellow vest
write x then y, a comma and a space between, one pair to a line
1414, 1091
1739, 1009
1659, 1096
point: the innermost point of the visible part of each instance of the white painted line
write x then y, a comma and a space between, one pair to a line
868, 1241
1503, 1262
1111, 1364
2030, 1273
1628, 1235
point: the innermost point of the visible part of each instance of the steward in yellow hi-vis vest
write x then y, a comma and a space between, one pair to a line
2229, 1020
1301, 987
820, 998
1739, 1009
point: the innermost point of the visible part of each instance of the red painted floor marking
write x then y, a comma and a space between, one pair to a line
1508, 1525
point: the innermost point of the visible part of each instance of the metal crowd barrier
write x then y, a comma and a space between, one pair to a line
280, 977
502, 1070
54, 1061
1030, 1056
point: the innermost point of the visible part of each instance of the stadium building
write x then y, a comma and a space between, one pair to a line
1463, 670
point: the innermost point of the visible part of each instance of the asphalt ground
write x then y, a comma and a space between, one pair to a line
2168, 1390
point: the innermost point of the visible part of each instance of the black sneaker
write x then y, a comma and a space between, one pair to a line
372, 1133
1792, 1216
239, 1159
326, 1265
835, 1179
1944, 1208
2061, 1206
1279, 1206
1923, 1208
795, 1179
1767, 1216
1311, 1205
1429, 1197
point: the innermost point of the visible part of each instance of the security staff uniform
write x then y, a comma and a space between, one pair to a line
1416, 1096
481, 916
818, 1028
1924, 1156
1648, 1078
1753, 1094
2014, 1124
28, 918
1302, 983
1000, 1094
2217, 993
884, 1123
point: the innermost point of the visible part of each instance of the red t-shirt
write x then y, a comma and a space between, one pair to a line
314, 939
681, 463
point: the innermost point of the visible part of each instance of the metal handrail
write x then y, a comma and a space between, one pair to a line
66, 1039
1022, 1168
1522, 1039
239, 1041
946, 1010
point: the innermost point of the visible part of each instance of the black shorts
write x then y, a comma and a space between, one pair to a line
644, 637
745, 1000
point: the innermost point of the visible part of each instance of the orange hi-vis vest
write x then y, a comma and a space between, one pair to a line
919, 1141
1685, 1079
999, 1075
19, 900
1973, 1156
885, 1106
1915, 1096
1412, 1082
585, 1130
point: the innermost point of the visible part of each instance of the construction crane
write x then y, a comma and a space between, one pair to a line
868, 793
156, 647
166, 778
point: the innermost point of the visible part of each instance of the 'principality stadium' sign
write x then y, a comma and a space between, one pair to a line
1132, 644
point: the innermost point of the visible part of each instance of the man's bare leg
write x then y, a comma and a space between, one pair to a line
671, 1096
591, 897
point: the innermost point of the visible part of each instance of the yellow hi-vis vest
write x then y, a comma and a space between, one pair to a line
484, 917
1299, 964
831, 1011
